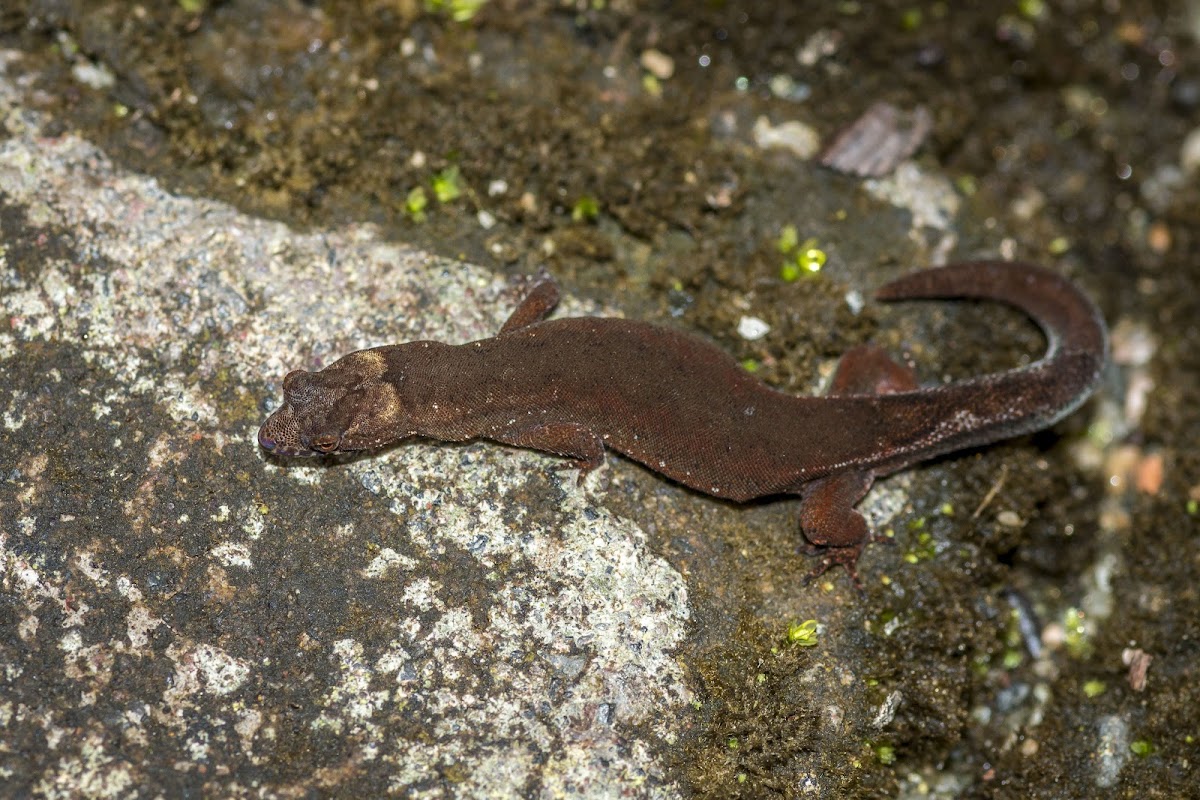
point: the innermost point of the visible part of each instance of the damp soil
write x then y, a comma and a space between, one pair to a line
550, 134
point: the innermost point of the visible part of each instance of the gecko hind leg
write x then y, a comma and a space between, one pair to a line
868, 369
537, 305
835, 530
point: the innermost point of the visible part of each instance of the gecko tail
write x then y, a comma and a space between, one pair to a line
1028, 398
1069, 319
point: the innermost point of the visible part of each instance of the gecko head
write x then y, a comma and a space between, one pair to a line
346, 406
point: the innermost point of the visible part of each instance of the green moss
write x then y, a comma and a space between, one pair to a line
457, 10
757, 714
789, 238
446, 185
1032, 9
924, 547
801, 258
811, 258
586, 209
415, 204
803, 634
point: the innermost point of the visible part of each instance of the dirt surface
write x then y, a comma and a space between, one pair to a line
622, 148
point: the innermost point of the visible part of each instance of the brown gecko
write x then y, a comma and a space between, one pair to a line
684, 408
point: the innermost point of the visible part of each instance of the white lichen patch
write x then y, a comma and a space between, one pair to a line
8, 346
252, 522
387, 561
93, 773
196, 746
28, 627
203, 669
181, 400
422, 595
248, 725
233, 554
30, 316
139, 624
32, 588
14, 416
88, 566
127, 590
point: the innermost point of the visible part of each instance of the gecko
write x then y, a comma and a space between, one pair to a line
684, 408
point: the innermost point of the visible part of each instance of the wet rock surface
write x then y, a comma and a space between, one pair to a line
184, 615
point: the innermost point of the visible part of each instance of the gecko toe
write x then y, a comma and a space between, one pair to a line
836, 556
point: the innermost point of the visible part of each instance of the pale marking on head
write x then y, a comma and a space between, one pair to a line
389, 412
372, 363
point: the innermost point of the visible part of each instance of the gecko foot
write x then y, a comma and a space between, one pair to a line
881, 538
585, 468
835, 556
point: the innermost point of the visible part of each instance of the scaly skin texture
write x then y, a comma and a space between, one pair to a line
687, 410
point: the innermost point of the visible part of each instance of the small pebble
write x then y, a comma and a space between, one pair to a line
658, 63
1009, 519
1158, 238
1149, 474
751, 328
801, 139
878, 140
1189, 154
1138, 661
97, 76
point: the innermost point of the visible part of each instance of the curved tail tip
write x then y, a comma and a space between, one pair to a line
1068, 317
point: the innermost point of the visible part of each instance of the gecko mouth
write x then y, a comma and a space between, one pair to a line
275, 447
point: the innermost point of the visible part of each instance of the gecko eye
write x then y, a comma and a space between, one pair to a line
325, 443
